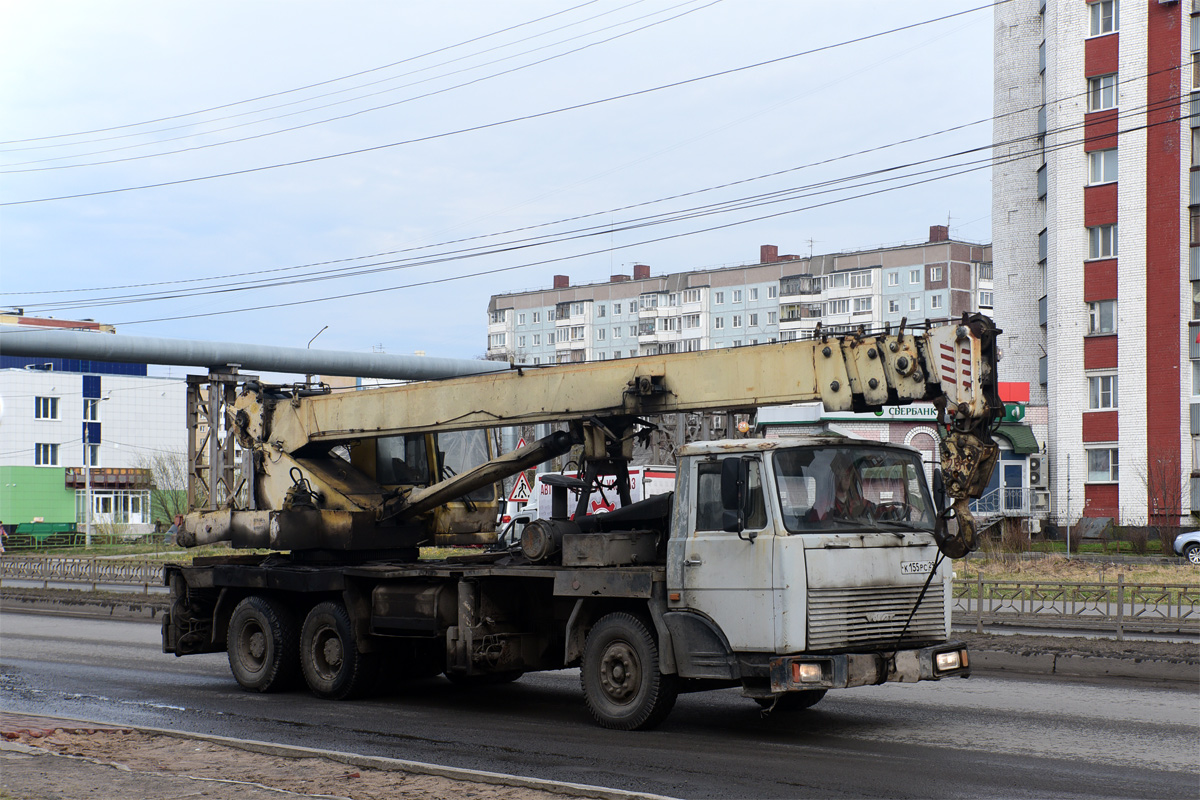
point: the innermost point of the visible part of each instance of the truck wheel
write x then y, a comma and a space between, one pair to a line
263, 645
333, 666
622, 684
791, 701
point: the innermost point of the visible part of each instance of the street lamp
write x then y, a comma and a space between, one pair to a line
308, 377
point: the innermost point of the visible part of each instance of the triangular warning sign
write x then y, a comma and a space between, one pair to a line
522, 491
520, 442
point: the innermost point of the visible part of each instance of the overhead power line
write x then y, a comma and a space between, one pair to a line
511, 120
310, 85
426, 95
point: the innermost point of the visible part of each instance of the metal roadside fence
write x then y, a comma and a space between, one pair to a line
1114, 606
81, 572
1097, 605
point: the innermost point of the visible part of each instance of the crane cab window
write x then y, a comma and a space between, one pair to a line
401, 460
709, 515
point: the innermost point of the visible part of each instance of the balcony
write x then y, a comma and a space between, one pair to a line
1042, 313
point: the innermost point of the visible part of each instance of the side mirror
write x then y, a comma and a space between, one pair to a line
939, 490
735, 476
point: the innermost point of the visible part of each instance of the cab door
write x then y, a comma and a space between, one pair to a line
727, 576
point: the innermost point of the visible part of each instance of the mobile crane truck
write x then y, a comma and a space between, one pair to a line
784, 567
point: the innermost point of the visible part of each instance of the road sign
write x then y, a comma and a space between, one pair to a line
521, 490
520, 442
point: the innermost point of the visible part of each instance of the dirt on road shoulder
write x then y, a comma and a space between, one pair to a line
42, 759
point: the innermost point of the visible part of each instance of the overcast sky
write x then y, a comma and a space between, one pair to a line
429, 161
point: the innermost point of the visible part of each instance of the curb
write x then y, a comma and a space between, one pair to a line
1074, 666
48, 725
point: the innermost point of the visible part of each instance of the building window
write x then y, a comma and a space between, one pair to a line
537, 340
1102, 391
862, 304
601, 333
550, 316
772, 292
600, 310
1102, 241
719, 323
914, 304
1102, 465
577, 333
537, 317
45, 455
860, 280
935, 274
893, 279
838, 307
617, 332
520, 319
91, 408
496, 316
893, 306
91, 455
1102, 92
45, 408
521, 342
914, 276
754, 320
737, 320
691, 321
549, 338
737, 295
1105, 17
496, 340
985, 299
633, 331
754, 293
935, 302
772, 317
1102, 166
1102, 316
720, 298
616, 309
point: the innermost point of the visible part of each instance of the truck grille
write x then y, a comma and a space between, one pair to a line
873, 615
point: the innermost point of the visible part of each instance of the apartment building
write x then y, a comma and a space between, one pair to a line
777, 298
59, 415
1093, 169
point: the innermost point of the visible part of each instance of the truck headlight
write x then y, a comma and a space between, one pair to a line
948, 661
806, 673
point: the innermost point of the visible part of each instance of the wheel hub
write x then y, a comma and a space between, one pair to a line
619, 675
258, 645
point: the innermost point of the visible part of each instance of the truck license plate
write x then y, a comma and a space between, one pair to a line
915, 567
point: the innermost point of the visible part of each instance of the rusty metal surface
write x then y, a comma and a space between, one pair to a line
611, 582
609, 549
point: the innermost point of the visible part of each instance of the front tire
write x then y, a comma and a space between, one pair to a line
621, 678
263, 644
1192, 552
333, 666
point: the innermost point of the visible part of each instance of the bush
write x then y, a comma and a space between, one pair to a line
1137, 536
1012, 538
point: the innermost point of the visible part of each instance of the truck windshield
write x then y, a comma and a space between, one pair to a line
824, 489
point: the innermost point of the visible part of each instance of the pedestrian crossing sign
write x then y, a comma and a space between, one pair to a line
521, 491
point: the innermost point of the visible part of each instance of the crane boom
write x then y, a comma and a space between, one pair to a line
306, 495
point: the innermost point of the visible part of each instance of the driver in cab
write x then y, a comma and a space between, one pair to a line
844, 499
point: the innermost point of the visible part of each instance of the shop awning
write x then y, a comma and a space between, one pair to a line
1020, 436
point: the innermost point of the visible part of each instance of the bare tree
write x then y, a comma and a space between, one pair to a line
169, 477
1164, 497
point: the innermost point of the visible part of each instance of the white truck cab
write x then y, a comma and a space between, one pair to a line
825, 557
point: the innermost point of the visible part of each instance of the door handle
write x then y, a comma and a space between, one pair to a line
694, 561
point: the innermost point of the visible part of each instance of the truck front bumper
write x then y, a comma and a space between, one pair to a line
843, 670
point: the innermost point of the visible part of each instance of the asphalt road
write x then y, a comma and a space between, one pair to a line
983, 737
